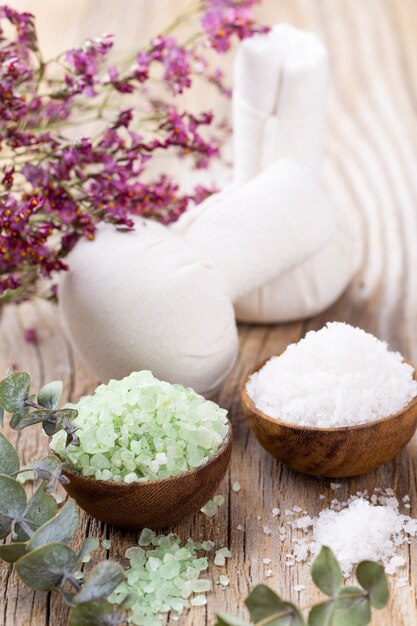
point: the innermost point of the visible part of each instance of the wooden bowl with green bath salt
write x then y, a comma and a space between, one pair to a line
150, 453
333, 451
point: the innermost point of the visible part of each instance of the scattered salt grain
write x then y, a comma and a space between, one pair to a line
322, 496
297, 509
337, 376
236, 486
267, 530
162, 578
268, 573
275, 512
239, 527
335, 486
106, 543
140, 429
212, 507
224, 580
356, 530
266, 561
299, 587
401, 582
221, 556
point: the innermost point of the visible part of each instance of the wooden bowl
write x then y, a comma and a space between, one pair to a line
154, 504
331, 452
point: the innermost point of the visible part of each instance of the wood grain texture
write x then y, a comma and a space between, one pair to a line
370, 167
154, 504
331, 452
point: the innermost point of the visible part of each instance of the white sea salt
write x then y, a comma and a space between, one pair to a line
266, 561
236, 486
356, 530
275, 511
337, 376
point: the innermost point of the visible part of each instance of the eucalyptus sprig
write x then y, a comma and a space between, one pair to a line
40, 533
344, 606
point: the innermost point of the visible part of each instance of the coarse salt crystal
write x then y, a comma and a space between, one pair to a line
337, 376
358, 531
335, 486
267, 530
275, 511
268, 573
236, 486
266, 561
299, 587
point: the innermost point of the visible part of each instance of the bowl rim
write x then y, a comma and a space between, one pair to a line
248, 402
68, 470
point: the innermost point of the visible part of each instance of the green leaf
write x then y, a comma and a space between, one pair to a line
12, 503
19, 421
1, 416
14, 390
90, 544
326, 572
322, 614
19, 416
372, 577
40, 508
104, 578
11, 552
9, 461
50, 395
95, 613
59, 528
352, 608
264, 603
47, 567
229, 620
50, 468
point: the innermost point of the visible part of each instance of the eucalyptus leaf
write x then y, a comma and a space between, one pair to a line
50, 395
12, 503
352, 608
229, 620
326, 572
322, 614
11, 552
50, 469
104, 578
9, 461
372, 577
263, 603
59, 528
47, 567
14, 390
95, 613
40, 508
90, 544
19, 416
20, 421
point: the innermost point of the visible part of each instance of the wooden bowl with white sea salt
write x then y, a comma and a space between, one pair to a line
336, 404
149, 454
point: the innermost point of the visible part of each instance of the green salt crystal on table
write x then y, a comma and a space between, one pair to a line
212, 507
140, 428
224, 580
236, 486
106, 543
221, 556
163, 577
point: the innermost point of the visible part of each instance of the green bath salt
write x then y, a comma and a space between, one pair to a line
140, 428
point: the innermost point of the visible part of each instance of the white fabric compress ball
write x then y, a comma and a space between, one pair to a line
161, 300
146, 300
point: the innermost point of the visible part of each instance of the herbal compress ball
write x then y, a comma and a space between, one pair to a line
154, 299
141, 428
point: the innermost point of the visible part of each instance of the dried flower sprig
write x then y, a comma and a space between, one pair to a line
56, 186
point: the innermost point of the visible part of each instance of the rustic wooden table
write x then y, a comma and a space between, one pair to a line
371, 166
